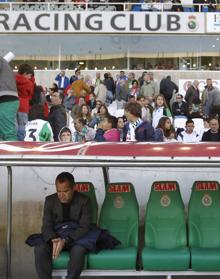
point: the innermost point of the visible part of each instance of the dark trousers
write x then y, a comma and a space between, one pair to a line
215, 111
43, 261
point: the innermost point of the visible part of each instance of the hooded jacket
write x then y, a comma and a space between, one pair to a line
7, 79
60, 133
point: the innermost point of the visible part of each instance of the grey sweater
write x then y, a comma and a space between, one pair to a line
7, 79
214, 97
149, 89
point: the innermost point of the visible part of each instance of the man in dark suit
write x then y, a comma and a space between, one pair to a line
63, 206
57, 115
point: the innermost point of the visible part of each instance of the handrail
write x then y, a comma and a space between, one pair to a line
167, 162
86, 5
9, 223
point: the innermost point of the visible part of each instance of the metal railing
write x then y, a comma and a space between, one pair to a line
107, 6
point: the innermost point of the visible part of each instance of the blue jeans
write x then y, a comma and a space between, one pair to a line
109, 97
22, 118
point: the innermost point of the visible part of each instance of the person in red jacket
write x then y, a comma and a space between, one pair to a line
25, 88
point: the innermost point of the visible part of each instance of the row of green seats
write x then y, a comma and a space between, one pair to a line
168, 244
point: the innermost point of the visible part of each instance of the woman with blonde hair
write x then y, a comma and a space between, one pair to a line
161, 109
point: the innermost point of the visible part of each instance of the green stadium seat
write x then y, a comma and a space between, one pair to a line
165, 229
87, 189
120, 216
204, 226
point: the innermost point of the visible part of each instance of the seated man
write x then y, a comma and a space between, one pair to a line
82, 132
179, 108
64, 206
213, 134
189, 135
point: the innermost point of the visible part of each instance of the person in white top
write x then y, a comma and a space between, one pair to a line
37, 129
161, 109
189, 135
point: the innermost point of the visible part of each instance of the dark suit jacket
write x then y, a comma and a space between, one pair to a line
80, 211
182, 110
57, 119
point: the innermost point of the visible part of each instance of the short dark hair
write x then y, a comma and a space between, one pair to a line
112, 120
65, 176
25, 69
134, 109
213, 117
189, 121
81, 120
133, 81
54, 87
106, 75
140, 97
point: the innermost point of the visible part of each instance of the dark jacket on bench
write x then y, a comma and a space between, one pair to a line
80, 212
94, 240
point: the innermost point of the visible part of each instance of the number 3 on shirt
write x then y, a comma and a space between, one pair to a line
31, 133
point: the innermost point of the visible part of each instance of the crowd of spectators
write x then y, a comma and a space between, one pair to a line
80, 109
125, 108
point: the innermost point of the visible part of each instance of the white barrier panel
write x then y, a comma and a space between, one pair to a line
213, 23
101, 22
